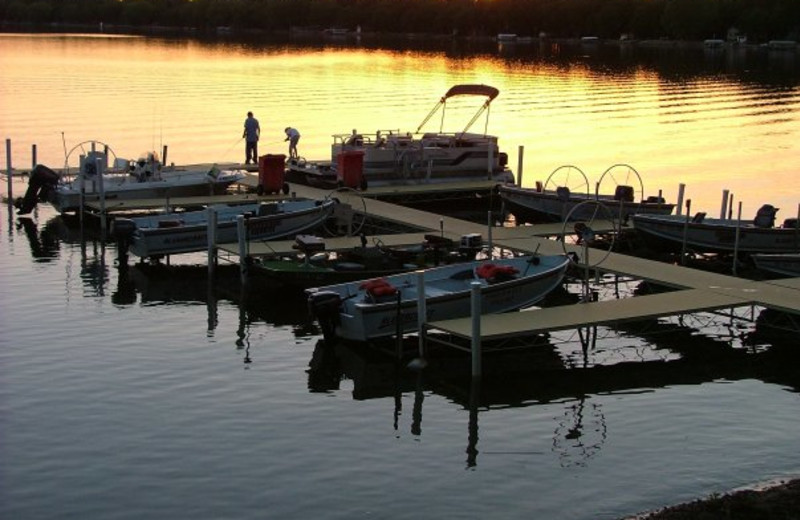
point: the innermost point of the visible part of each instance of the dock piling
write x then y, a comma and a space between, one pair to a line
724, 209
81, 189
99, 167
8, 173
422, 311
679, 204
212, 239
736, 238
520, 154
241, 232
489, 234
33, 156
475, 301
686, 230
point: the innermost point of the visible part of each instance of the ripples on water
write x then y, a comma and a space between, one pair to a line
713, 120
124, 394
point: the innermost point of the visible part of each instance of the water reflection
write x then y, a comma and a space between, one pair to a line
543, 375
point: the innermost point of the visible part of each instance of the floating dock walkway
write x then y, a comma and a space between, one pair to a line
695, 290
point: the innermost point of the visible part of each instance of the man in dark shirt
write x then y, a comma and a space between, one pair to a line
252, 131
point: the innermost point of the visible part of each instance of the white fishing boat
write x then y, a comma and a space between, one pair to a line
620, 189
781, 264
364, 311
185, 232
713, 235
100, 174
388, 157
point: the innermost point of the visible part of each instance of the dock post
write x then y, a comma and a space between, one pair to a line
724, 209
520, 155
33, 156
212, 239
8, 173
81, 188
475, 301
490, 164
686, 230
679, 204
99, 168
422, 311
736, 239
164, 156
241, 232
489, 234
730, 207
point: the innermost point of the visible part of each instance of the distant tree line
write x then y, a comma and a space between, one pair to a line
759, 20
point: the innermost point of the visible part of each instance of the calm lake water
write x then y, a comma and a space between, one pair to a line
141, 394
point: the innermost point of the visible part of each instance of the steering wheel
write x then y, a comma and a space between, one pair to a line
588, 220
359, 217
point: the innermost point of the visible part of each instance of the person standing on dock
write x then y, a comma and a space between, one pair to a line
293, 136
252, 131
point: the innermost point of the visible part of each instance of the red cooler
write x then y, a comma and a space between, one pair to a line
350, 169
271, 171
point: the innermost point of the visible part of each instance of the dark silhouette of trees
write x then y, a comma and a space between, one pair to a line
759, 20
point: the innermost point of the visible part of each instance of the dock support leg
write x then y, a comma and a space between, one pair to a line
99, 168
475, 301
723, 210
679, 204
489, 233
33, 156
81, 189
686, 230
241, 232
520, 155
422, 311
9, 174
212, 240
736, 239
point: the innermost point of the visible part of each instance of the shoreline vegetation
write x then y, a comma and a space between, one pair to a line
344, 35
756, 22
775, 500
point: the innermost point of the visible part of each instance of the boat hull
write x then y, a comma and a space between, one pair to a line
169, 234
362, 321
529, 205
716, 235
67, 197
784, 265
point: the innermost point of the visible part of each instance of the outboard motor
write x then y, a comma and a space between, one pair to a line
765, 217
41, 186
623, 193
123, 230
324, 306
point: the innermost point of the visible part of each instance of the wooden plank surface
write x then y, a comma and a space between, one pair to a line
496, 326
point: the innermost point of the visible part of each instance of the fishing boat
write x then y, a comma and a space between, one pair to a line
389, 157
712, 235
315, 266
382, 307
185, 232
567, 186
780, 264
100, 174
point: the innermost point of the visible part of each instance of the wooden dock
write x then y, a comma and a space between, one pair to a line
694, 290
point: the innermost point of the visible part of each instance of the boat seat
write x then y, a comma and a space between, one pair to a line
765, 217
267, 209
624, 193
562, 192
699, 217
